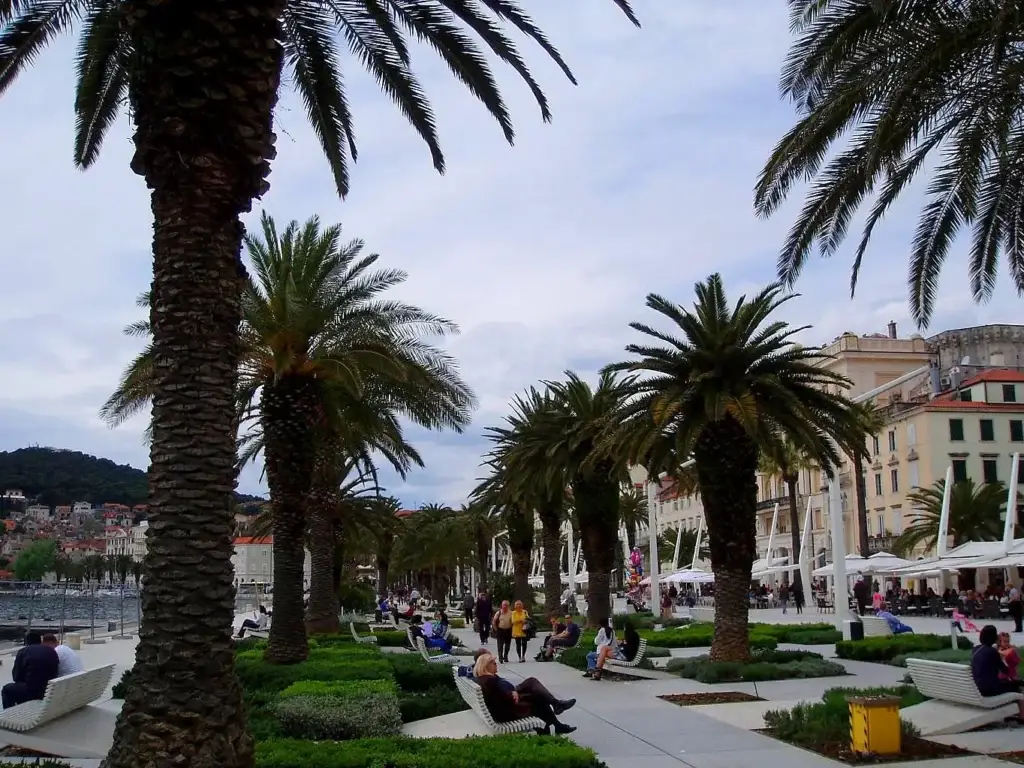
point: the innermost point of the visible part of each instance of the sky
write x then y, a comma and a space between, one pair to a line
542, 252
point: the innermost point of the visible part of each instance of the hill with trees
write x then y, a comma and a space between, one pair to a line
54, 476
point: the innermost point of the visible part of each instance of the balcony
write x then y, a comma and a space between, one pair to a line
782, 501
881, 543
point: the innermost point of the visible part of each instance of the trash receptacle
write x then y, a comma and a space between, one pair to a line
853, 629
112, 626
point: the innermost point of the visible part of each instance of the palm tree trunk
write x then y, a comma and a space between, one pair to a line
597, 513
794, 519
862, 503
726, 463
289, 412
383, 576
552, 538
204, 152
521, 575
322, 613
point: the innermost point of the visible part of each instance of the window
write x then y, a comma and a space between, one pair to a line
1016, 431
913, 474
956, 430
892, 439
966, 396
1009, 393
894, 480
988, 433
959, 470
878, 483
911, 434
897, 522
989, 470
880, 525
874, 446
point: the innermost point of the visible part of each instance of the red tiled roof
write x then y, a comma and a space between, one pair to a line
973, 405
1003, 375
242, 540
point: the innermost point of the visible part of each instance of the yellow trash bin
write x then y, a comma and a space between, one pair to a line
875, 725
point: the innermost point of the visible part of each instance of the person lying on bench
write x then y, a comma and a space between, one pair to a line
507, 702
987, 666
259, 623
567, 638
34, 667
896, 626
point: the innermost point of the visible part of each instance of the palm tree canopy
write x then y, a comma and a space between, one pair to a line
910, 84
731, 362
975, 514
376, 32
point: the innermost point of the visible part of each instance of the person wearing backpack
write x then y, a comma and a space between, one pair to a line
521, 625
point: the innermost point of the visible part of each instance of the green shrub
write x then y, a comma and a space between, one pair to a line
577, 657
888, 648
784, 633
512, 751
120, 689
769, 665
953, 656
392, 638
457, 623
358, 597
816, 725
338, 688
250, 644
501, 588
414, 675
432, 703
332, 718
324, 664
646, 621
699, 635
814, 637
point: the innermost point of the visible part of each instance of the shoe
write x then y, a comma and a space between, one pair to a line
588, 673
543, 731
561, 706
563, 729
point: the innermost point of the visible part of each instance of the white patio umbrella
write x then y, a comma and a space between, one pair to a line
854, 564
883, 562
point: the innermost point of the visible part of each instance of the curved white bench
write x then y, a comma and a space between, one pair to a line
473, 695
441, 658
944, 681
875, 627
640, 651
63, 696
357, 638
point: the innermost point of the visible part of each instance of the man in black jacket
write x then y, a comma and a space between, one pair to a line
34, 667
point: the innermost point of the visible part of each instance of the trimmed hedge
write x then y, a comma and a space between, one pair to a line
433, 703
885, 649
699, 636
337, 718
957, 656
481, 752
325, 664
646, 621
413, 675
340, 688
767, 665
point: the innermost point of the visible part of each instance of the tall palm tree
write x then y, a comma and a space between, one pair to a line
202, 83
633, 514
903, 82
787, 461
871, 422
721, 386
573, 442
482, 524
320, 346
383, 526
527, 481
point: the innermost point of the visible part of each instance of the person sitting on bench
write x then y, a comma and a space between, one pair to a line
507, 702
567, 638
259, 623
34, 667
987, 666
435, 633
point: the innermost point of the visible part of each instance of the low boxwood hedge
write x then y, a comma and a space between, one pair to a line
324, 664
646, 621
764, 665
336, 718
699, 636
885, 649
487, 752
340, 688
953, 656
413, 675
433, 703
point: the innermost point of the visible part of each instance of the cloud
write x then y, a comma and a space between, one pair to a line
543, 252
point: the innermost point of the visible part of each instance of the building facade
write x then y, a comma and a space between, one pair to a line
254, 561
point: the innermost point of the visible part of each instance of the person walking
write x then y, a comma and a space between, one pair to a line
520, 631
1016, 608
784, 598
798, 597
502, 625
482, 621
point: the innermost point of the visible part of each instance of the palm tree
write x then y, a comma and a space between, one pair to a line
322, 351
722, 390
573, 442
482, 525
785, 459
634, 515
904, 81
526, 481
687, 542
202, 84
871, 422
384, 527
975, 514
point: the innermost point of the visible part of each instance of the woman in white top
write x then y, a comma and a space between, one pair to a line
604, 646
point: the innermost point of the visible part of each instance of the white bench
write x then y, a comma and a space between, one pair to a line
473, 695
640, 651
63, 696
357, 638
944, 681
875, 627
442, 658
